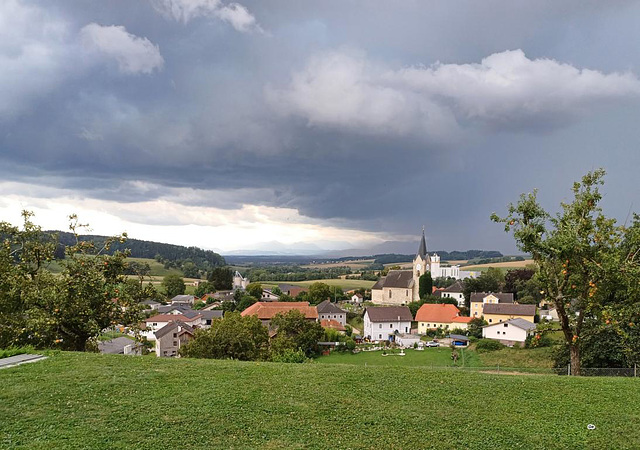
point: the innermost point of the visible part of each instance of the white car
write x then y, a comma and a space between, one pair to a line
432, 344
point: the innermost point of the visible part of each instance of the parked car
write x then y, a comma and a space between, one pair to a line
433, 344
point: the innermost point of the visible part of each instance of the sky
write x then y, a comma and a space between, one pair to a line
313, 125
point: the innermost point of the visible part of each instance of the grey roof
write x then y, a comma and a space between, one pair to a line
171, 326
389, 313
458, 337
211, 314
422, 250
378, 284
190, 313
503, 297
169, 308
399, 279
456, 287
520, 323
115, 346
150, 302
183, 298
509, 308
327, 307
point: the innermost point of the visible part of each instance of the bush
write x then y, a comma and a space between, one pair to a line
289, 355
13, 351
488, 345
538, 340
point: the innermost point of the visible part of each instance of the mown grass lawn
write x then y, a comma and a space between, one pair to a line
436, 357
112, 402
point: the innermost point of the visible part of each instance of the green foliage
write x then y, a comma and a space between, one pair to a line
538, 340
13, 351
173, 285
233, 337
254, 290
244, 303
199, 305
204, 287
289, 355
221, 278
296, 332
425, 285
474, 328
588, 264
318, 292
488, 345
65, 311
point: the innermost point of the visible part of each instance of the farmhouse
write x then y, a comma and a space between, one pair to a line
265, 311
455, 291
269, 296
496, 313
333, 325
480, 299
357, 298
171, 337
183, 299
400, 287
510, 331
291, 290
159, 321
433, 316
383, 323
328, 310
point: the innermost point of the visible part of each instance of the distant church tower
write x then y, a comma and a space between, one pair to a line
421, 265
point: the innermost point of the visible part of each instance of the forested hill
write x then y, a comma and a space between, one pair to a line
148, 249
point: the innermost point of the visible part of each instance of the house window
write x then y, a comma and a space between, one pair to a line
506, 325
406, 292
406, 329
380, 336
490, 320
175, 343
389, 293
175, 335
380, 325
390, 325
155, 324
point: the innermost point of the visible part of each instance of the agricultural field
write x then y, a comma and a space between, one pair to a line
502, 265
356, 264
344, 284
84, 400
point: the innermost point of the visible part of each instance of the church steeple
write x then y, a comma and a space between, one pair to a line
422, 250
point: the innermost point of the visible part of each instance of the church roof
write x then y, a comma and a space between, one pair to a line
398, 279
422, 250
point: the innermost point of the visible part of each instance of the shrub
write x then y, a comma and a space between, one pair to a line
289, 355
488, 345
538, 340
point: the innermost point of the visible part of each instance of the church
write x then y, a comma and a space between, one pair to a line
400, 287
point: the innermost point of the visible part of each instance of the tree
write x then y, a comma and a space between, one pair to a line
64, 311
588, 265
245, 302
318, 292
254, 290
173, 285
296, 332
204, 287
425, 284
475, 327
233, 337
221, 278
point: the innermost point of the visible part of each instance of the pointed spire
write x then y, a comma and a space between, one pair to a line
422, 250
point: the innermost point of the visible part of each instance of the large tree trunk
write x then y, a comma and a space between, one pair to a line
575, 359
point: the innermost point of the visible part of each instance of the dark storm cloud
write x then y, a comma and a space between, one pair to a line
336, 109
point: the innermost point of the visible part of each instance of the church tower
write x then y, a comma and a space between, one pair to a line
421, 265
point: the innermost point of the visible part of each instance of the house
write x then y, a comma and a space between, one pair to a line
171, 337
239, 282
155, 323
550, 314
455, 291
206, 316
224, 296
151, 304
357, 298
432, 316
265, 311
480, 299
333, 325
120, 346
184, 299
328, 310
496, 313
383, 323
206, 297
177, 308
509, 331
291, 290
269, 296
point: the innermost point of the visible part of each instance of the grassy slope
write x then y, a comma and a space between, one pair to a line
413, 358
110, 402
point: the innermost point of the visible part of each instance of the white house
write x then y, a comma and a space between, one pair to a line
186, 299
269, 296
159, 321
357, 298
329, 311
383, 323
455, 291
510, 331
408, 340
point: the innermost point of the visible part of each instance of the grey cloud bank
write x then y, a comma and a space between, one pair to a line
365, 115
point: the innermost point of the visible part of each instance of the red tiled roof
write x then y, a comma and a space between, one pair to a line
438, 313
334, 324
266, 310
462, 319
